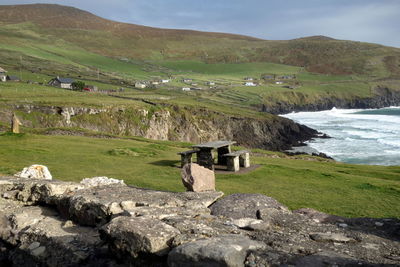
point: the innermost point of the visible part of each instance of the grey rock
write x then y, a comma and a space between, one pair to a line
136, 235
226, 250
244, 205
197, 178
331, 237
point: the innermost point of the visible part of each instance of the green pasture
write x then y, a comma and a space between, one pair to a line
342, 189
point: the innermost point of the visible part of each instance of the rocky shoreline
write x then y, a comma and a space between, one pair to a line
54, 223
383, 97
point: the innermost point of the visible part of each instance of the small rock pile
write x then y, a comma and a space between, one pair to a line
54, 223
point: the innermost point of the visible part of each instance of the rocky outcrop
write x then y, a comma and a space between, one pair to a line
170, 123
382, 97
53, 223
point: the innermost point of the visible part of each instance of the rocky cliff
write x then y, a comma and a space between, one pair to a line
168, 123
381, 97
54, 223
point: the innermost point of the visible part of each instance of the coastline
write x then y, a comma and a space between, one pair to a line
359, 136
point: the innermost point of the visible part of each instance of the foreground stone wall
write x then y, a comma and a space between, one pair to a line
53, 223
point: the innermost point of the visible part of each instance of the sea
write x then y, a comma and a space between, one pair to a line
359, 136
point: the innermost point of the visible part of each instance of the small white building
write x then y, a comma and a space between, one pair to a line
210, 83
187, 80
248, 78
185, 88
250, 84
140, 85
3, 75
278, 82
164, 81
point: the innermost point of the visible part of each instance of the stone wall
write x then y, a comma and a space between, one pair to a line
54, 223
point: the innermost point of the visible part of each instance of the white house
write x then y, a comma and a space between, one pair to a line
248, 78
3, 76
250, 84
185, 88
164, 81
278, 82
140, 85
65, 83
210, 83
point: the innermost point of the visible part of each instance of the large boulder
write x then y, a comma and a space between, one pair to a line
35, 172
197, 178
238, 206
225, 250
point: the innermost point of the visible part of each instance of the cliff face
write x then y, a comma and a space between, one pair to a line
383, 97
171, 123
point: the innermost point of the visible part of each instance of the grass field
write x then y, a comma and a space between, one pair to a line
342, 189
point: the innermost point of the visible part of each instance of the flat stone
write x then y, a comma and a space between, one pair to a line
238, 206
136, 235
226, 250
197, 178
331, 237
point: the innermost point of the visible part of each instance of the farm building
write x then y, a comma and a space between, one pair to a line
65, 83
3, 76
248, 78
187, 80
140, 85
13, 78
250, 84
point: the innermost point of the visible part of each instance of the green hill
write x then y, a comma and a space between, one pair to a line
32, 28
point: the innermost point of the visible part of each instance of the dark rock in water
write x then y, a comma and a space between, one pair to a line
53, 223
322, 155
238, 206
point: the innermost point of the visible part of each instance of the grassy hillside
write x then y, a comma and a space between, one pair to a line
60, 25
342, 189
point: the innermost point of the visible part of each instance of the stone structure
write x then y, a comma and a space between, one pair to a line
53, 223
15, 123
197, 178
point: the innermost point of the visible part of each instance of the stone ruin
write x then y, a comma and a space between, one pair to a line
54, 223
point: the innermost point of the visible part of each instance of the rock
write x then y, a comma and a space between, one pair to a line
379, 224
37, 252
136, 235
35, 172
101, 180
197, 178
225, 250
251, 224
238, 206
331, 237
319, 216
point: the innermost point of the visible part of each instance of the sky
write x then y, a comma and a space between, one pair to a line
374, 21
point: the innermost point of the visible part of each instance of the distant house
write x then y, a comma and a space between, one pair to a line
210, 83
187, 80
248, 78
3, 76
250, 84
268, 77
140, 85
278, 82
185, 88
164, 81
13, 78
287, 77
65, 83
155, 82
